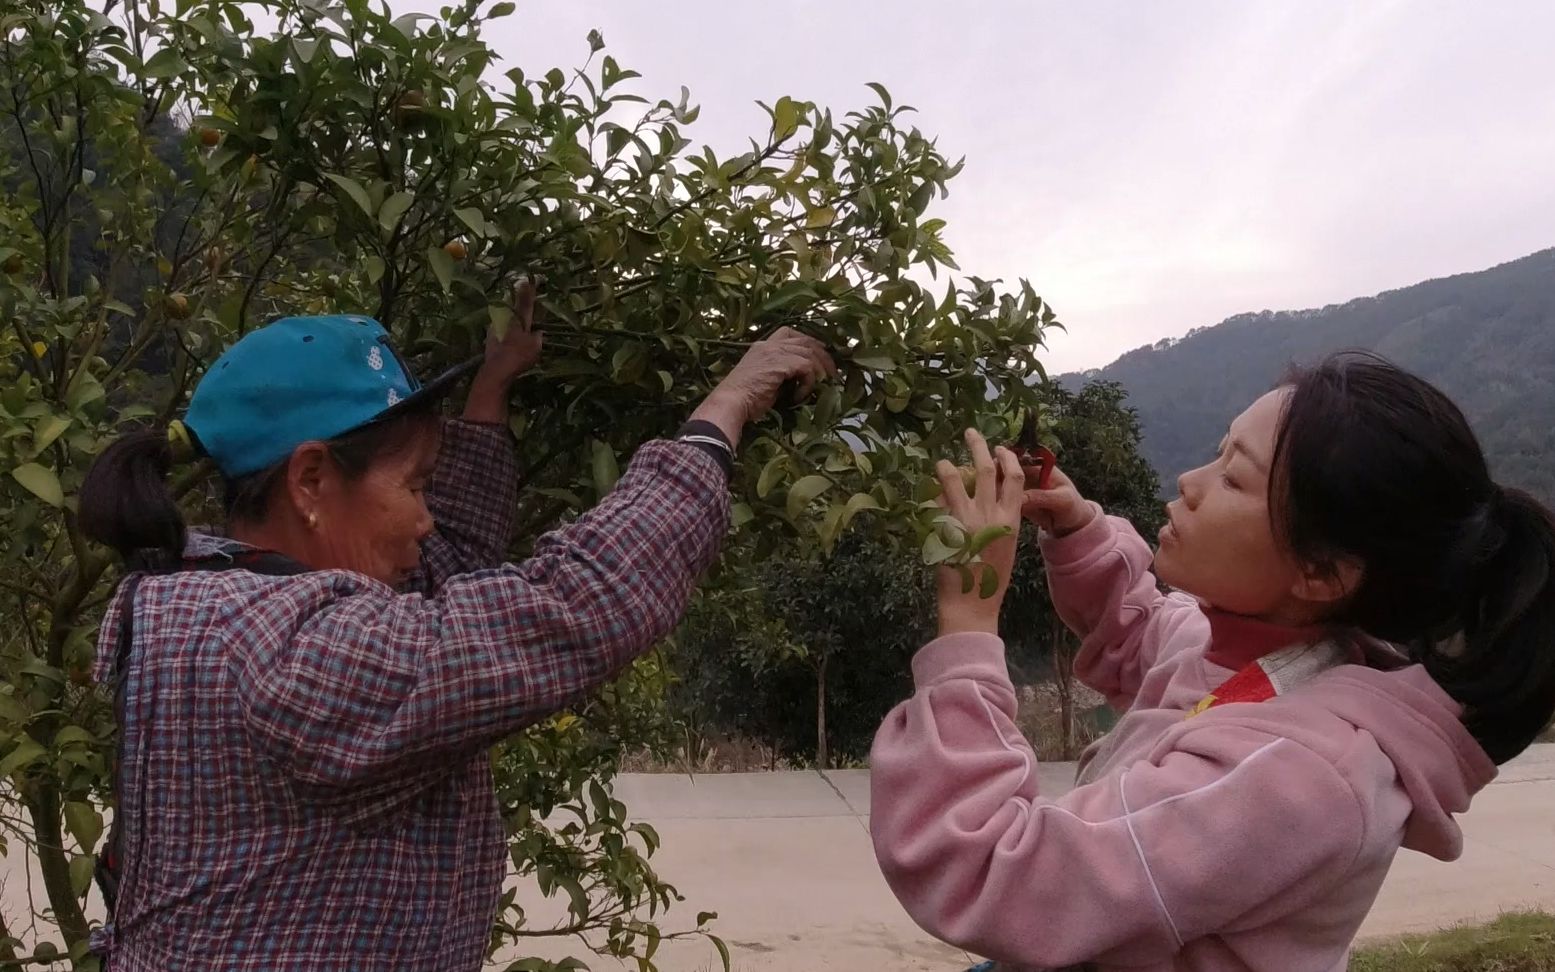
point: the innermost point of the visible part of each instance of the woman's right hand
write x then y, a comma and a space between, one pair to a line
751, 388
1059, 509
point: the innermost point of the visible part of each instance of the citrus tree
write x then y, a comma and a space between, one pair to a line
1097, 435
178, 172
803, 652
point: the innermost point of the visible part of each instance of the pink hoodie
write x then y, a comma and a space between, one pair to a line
1252, 836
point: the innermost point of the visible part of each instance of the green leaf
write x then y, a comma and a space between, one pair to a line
501, 319
375, 268
393, 208
48, 430
70, 735
406, 23
989, 583
885, 96
13, 711
353, 189
84, 391
842, 515
649, 835
580, 899
596, 41
84, 823
166, 63
785, 118
831, 527
802, 493
982, 538
769, 474
723, 950
628, 364
703, 917
564, 495
81, 868
880, 361
857, 503
474, 219
442, 266
26, 753
787, 294
820, 217
606, 471
41, 482
504, 9
936, 551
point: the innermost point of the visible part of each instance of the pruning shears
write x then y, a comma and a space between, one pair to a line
1032, 454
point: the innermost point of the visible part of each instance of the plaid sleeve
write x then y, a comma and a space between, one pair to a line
472, 497
372, 689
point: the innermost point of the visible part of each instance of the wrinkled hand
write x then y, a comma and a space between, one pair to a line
995, 501
751, 388
1059, 509
508, 355
516, 351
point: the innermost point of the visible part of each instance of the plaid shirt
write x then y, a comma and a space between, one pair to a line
305, 783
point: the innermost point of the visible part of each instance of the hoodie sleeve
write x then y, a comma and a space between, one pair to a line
1102, 587
1229, 822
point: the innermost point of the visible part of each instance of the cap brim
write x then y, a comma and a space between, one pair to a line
433, 391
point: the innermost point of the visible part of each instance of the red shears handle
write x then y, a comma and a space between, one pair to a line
1041, 458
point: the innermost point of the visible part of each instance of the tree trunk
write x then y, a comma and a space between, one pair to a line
1063, 681
822, 754
7, 950
54, 864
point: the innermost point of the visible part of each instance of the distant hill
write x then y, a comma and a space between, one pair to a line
1486, 338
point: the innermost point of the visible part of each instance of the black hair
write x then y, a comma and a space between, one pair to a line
125, 503
1375, 465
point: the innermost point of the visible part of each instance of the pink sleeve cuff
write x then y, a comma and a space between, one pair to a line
1067, 550
974, 655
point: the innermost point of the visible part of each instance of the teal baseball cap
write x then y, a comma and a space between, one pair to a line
302, 379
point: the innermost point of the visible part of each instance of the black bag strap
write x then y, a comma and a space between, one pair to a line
108, 871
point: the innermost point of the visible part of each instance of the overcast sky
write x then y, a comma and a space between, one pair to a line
1151, 167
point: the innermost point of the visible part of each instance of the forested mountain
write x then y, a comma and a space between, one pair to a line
1486, 338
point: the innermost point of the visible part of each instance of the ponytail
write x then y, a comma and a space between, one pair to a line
1503, 670
125, 503
1376, 465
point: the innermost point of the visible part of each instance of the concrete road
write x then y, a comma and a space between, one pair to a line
785, 860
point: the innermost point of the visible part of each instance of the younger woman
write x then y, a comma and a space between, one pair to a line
1362, 631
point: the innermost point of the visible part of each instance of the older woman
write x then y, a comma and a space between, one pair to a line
305, 704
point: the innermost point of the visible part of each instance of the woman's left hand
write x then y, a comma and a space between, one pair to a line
508, 355
995, 502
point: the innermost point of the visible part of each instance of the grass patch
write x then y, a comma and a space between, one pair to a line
1515, 942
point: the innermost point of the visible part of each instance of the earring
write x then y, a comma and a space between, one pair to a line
313, 520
